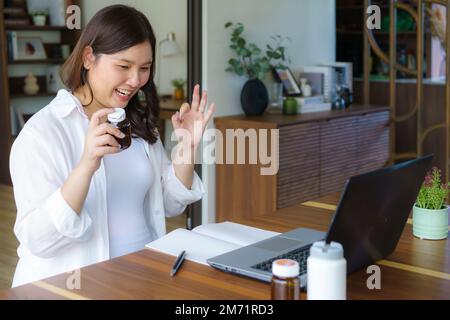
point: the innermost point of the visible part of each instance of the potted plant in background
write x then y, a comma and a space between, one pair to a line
430, 212
178, 88
254, 64
39, 17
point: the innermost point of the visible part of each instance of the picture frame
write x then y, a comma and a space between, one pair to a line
30, 48
290, 86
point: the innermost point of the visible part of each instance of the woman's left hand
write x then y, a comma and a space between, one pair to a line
191, 120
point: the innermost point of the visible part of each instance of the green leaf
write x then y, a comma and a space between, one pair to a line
232, 61
238, 30
241, 42
239, 70
228, 24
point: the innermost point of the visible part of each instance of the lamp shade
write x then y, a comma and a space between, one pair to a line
169, 47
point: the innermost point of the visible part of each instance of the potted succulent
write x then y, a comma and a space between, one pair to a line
178, 89
430, 212
39, 17
250, 61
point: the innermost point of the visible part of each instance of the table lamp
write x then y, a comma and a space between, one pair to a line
167, 47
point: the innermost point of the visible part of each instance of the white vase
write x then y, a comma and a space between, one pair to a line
39, 20
430, 224
306, 88
31, 86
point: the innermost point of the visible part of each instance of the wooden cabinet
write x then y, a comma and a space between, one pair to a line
317, 153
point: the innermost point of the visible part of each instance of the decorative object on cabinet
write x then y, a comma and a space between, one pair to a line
31, 86
30, 48
53, 79
254, 97
39, 17
306, 87
290, 106
276, 98
178, 88
290, 85
250, 62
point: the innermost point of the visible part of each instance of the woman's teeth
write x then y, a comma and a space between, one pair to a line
123, 93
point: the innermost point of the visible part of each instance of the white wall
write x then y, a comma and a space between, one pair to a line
309, 23
164, 16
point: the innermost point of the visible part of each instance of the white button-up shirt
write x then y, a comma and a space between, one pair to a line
53, 237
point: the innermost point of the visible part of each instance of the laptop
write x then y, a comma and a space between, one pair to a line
368, 222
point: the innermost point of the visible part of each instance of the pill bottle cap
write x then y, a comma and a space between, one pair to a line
327, 251
116, 116
285, 268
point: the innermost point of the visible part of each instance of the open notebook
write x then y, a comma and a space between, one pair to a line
209, 240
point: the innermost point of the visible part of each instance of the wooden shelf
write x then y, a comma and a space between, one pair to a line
40, 61
360, 7
383, 33
35, 28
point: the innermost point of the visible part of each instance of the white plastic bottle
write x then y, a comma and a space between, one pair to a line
327, 272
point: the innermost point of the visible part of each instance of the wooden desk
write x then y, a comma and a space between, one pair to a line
418, 269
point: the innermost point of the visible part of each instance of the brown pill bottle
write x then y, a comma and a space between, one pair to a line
285, 280
118, 120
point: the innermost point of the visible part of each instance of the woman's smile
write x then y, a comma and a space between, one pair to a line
123, 95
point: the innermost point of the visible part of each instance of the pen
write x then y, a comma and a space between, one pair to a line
178, 263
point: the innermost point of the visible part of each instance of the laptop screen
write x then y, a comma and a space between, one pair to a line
373, 210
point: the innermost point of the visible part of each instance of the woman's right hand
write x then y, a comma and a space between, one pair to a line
99, 141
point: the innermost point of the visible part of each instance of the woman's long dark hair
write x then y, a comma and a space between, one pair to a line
113, 29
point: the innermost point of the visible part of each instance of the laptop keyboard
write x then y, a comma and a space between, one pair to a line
300, 255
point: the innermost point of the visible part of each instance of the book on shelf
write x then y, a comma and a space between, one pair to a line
12, 44
209, 240
319, 107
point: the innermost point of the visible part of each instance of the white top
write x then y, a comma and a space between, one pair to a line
117, 116
285, 268
126, 186
53, 237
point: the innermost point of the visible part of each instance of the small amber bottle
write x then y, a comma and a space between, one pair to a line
119, 120
285, 280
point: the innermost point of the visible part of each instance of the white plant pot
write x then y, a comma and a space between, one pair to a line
430, 224
39, 20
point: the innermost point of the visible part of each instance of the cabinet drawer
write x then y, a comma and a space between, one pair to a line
297, 178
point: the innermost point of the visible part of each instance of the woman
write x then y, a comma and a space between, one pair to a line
80, 199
